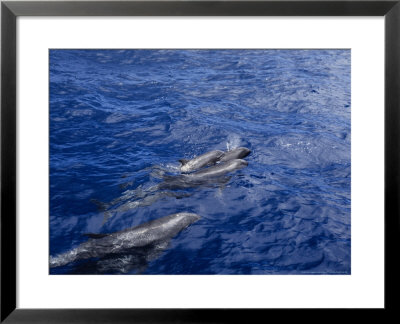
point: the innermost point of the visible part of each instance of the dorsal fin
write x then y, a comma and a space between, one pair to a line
94, 235
183, 161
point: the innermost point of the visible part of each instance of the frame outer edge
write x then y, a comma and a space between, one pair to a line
8, 173
392, 152
203, 8
8, 162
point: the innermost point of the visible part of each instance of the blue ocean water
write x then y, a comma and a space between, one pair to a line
121, 119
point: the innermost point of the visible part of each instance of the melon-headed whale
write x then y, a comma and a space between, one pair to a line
237, 153
208, 176
200, 161
144, 236
211, 158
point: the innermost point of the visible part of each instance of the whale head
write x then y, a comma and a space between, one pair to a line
243, 152
239, 163
185, 219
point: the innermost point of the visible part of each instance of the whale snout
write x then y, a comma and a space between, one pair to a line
189, 217
241, 163
244, 151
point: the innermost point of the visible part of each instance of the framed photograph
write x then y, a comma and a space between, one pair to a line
197, 159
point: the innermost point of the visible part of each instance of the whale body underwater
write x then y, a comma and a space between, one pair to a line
144, 236
210, 176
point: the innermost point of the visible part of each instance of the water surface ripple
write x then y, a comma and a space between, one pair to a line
121, 119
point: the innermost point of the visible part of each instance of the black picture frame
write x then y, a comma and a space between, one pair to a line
10, 10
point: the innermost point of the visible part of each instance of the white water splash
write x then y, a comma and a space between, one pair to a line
172, 167
233, 142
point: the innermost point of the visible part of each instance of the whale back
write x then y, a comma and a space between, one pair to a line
237, 153
151, 232
200, 161
163, 226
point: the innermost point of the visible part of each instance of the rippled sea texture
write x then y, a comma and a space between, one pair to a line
121, 119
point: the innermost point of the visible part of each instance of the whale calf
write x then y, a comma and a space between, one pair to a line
220, 169
211, 175
158, 231
237, 153
200, 161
